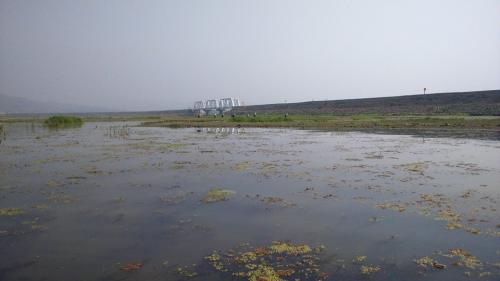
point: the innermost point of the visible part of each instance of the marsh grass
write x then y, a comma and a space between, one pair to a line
63, 121
359, 121
260, 119
3, 134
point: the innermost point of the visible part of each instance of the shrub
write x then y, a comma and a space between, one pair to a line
63, 121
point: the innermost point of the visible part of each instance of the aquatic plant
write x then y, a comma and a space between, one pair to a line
11, 211
63, 121
277, 262
263, 273
217, 195
330, 121
240, 167
392, 206
289, 249
465, 259
415, 167
261, 119
175, 198
186, 272
360, 258
428, 261
367, 270
278, 201
133, 266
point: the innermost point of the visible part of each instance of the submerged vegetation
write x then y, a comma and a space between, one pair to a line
63, 121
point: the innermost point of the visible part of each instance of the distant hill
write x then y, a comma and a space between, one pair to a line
473, 103
18, 105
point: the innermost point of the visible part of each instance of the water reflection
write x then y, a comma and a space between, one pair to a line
223, 130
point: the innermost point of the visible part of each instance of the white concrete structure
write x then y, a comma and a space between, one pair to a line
211, 104
213, 107
199, 105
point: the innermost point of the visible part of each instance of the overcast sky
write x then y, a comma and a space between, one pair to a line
142, 55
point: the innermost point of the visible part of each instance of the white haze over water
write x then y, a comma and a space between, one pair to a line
153, 55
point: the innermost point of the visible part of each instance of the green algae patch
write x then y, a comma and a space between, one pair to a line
367, 270
277, 201
246, 258
332, 121
392, 206
290, 249
241, 167
11, 211
463, 258
429, 262
279, 261
359, 259
457, 257
175, 198
419, 167
263, 272
186, 272
217, 195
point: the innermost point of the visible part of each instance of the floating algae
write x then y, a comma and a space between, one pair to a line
277, 201
217, 195
360, 259
414, 167
172, 146
186, 272
367, 270
278, 262
263, 273
427, 261
11, 211
392, 206
465, 259
289, 249
241, 167
452, 218
131, 267
175, 198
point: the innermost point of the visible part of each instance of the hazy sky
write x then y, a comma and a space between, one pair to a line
140, 55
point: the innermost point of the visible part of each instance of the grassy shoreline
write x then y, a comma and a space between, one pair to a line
360, 121
334, 122
40, 119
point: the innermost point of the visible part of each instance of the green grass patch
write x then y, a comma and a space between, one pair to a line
359, 121
260, 119
63, 121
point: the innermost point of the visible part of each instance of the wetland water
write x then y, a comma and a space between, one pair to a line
107, 202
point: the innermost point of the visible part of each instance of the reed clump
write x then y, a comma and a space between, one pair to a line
63, 121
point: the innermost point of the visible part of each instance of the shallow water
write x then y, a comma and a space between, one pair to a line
95, 198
